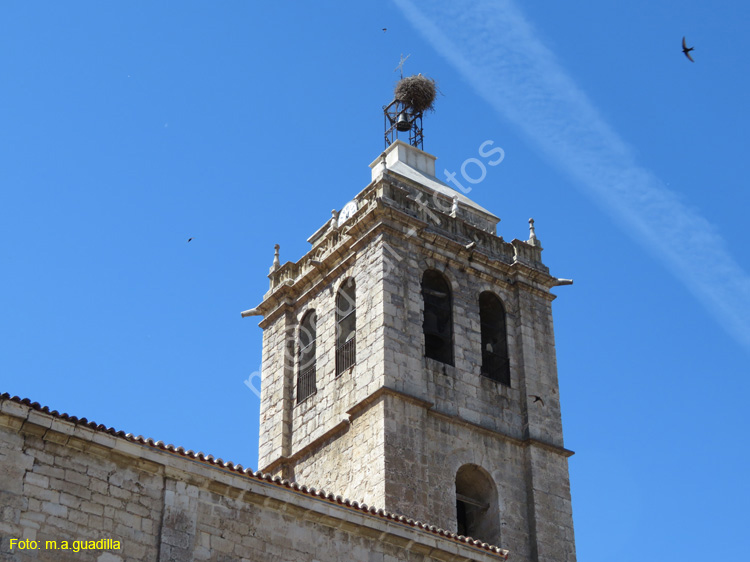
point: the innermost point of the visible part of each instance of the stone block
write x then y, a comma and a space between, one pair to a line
54, 509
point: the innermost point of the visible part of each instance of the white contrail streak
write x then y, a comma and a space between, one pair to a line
496, 50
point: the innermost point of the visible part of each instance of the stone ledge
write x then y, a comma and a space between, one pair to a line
365, 404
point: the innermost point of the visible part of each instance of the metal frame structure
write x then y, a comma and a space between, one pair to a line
392, 112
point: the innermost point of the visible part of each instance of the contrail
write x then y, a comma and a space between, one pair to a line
497, 51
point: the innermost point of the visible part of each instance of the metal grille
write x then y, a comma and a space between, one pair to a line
438, 317
306, 384
496, 367
346, 355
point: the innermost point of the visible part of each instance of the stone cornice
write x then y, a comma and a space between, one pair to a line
384, 215
363, 405
459, 420
308, 449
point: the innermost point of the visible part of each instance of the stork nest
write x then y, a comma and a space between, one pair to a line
418, 92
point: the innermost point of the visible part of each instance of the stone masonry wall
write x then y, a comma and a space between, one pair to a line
461, 389
275, 395
426, 444
425, 451
65, 481
351, 462
322, 412
550, 491
336, 395
60, 487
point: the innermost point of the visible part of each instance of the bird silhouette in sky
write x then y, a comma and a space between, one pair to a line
190, 239
536, 399
385, 29
686, 50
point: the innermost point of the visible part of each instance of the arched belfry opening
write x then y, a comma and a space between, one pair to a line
438, 317
346, 327
495, 360
306, 379
477, 512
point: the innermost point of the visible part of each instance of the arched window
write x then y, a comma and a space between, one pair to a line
495, 361
477, 511
346, 327
438, 317
306, 368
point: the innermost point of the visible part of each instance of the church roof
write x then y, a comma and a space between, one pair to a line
218, 463
435, 184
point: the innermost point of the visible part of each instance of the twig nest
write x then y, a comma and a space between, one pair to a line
418, 92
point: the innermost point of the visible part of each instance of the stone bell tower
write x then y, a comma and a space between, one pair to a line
409, 363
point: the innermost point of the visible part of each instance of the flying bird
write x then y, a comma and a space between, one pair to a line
686, 50
190, 239
536, 399
385, 29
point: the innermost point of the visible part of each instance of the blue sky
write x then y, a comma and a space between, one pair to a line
128, 128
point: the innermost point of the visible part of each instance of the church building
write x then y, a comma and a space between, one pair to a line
409, 408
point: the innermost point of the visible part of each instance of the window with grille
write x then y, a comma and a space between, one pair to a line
306, 368
346, 327
495, 360
438, 317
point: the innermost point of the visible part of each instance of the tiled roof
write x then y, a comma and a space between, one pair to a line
257, 475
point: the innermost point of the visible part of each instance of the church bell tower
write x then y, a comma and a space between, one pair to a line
409, 363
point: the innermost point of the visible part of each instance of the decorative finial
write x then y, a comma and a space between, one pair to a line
454, 207
276, 263
334, 219
532, 234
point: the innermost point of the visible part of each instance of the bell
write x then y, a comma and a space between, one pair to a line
402, 123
